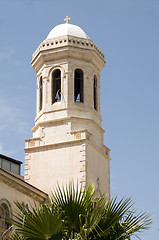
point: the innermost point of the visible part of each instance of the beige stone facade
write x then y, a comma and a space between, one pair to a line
14, 188
67, 141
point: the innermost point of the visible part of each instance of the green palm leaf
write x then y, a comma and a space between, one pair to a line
90, 222
74, 213
114, 212
74, 202
15, 236
120, 221
39, 222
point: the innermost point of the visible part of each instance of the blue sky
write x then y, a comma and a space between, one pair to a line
127, 31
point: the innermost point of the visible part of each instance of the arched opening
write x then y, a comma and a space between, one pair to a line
4, 216
40, 94
95, 92
56, 86
78, 86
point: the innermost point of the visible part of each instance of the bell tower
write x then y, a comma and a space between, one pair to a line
67, 141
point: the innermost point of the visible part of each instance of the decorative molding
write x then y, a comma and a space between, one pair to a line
66, 119
83, 165
27, 166
83, 140
54, 145
22, 186
68, 41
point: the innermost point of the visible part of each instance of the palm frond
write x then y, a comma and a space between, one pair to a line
114, 212
120, 221
74, 213
15, 236
135, 223
74, 201
39, 222
89, 224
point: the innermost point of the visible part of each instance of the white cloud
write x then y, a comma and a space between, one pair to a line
10, 118
1, 148
8, 151
9, 57
13, 128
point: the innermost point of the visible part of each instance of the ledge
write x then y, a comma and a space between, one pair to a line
67, 119
79, 136
67, 41
22, 186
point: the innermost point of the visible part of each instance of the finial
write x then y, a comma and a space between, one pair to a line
67, 19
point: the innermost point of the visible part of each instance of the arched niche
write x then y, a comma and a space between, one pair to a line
56, 86
95, 92
40, 94
5, 214
78, 85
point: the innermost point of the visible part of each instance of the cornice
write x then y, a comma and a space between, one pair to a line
67, 119
67, 47
104, 152
68, 41
22, 186
80, 136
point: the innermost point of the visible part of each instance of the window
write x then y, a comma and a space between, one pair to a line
4, 215
95, 92
78, 86
10, 166
56, 86
6, 165
40, 94
15, 168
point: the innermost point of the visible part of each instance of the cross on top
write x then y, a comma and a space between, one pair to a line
67, 19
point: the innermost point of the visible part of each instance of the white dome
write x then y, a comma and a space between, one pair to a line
67, 29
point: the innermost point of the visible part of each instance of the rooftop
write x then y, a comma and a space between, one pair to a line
67, 29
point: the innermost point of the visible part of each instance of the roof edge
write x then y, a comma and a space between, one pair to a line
23, 186
10, 159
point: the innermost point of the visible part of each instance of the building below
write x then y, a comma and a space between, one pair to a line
14, 188
10, 164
